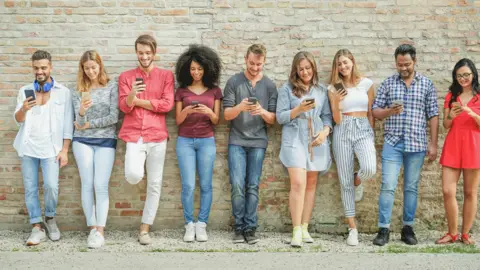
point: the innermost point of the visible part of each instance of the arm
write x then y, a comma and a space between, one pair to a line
434, 130
371, 119
379, 107
335, 105
112, 118
181, 114
215, 117
68, 117
165, 103
432, 113
284, 113
125, 101
231, 109
269, 115
20, 113
326, 116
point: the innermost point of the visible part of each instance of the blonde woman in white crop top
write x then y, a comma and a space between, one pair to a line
351, 98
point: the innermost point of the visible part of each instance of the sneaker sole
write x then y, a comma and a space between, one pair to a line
238, 241
308, 241
29, 244
253, 241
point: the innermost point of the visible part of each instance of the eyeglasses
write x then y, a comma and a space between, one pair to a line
463, 76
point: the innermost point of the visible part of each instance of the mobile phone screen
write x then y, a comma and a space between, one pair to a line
29, 93
339, 86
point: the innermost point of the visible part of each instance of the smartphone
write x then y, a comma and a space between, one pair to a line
310, 100
339, 87
141, 82
29, 93
195, 104
86, 96
456, 104
398, 102
252, 100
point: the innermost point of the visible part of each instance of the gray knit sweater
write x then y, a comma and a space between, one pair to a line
102, 115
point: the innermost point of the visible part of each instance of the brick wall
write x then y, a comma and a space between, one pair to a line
442, 30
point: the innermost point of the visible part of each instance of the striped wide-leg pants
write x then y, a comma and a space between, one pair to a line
353, 136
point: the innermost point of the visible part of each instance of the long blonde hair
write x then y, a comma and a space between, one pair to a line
335, 75
299, 88
83, 82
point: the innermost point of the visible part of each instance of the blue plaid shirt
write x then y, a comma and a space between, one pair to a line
419, 104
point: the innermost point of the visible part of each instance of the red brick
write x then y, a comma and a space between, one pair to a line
123, 205
127, 213
3, 197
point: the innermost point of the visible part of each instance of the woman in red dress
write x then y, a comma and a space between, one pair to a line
461, 151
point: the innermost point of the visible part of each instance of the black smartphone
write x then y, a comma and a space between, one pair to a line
29, 93
195, 103
252, 100
140, 80
339, 87
310, 100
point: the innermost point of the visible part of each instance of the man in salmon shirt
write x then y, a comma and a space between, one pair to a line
145, 96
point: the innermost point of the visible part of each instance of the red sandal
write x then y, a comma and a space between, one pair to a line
444, 240
467, 240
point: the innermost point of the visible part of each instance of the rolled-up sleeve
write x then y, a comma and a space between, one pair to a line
326, 113
20, 99
123, 91
68, 117
272, 98
165, 103
228, 95
381, 98
431, 102
283, 109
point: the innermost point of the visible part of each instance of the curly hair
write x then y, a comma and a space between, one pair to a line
205, 57
299, 88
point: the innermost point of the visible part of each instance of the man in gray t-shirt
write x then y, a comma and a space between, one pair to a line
249, 102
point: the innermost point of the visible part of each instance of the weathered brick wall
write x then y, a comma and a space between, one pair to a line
442, 30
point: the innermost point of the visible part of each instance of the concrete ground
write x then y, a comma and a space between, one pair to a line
168, 251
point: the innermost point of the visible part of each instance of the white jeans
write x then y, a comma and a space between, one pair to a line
95, 167
154, 154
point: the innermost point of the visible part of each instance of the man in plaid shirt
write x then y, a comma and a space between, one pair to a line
406, 100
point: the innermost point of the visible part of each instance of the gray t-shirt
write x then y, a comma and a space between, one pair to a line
247, 130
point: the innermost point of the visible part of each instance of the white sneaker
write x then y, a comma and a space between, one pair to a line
296, 237
36, 236
52, 229
352, 239
91, 235
96, 241
358, 193
189, 232
306, 238
201, 231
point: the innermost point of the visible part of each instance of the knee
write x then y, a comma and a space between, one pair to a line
370, 171
133, 177
206, 187
311, 185
101, 189
187, 188
448, 193
469, 194
237, 189
297, 186
50, 186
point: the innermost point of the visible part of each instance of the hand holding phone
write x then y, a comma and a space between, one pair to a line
86, 97
252, 100
30, 100
195, 104
140, 85
340, 89
307, 104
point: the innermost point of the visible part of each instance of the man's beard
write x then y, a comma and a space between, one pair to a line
147, 66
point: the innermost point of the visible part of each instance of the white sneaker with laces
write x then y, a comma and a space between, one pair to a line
306, 238
352, 239
201, 231
36, 236
52, 229
90, 239
97, 240
189, 232
358, 193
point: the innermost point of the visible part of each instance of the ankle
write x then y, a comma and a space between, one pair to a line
144, 228
100, 230
305, 226
37, 225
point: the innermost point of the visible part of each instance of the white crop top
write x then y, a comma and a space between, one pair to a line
356, 99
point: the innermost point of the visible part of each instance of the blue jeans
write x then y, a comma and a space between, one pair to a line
95, 165
196, 154
245, 166
50, 170
393, 157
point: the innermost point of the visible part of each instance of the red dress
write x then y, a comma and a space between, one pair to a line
461, 149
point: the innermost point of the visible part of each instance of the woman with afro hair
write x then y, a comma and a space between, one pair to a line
197, 112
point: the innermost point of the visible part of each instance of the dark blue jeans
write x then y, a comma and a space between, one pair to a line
245, 165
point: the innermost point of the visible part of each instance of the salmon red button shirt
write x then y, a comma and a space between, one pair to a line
140, 122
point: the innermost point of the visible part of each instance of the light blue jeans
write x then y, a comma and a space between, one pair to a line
50, 171
196, 155
95, 167
393, 157
245, 167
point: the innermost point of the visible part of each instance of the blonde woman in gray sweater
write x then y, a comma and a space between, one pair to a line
95, 102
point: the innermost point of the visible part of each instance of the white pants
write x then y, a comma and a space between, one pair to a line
154, 154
